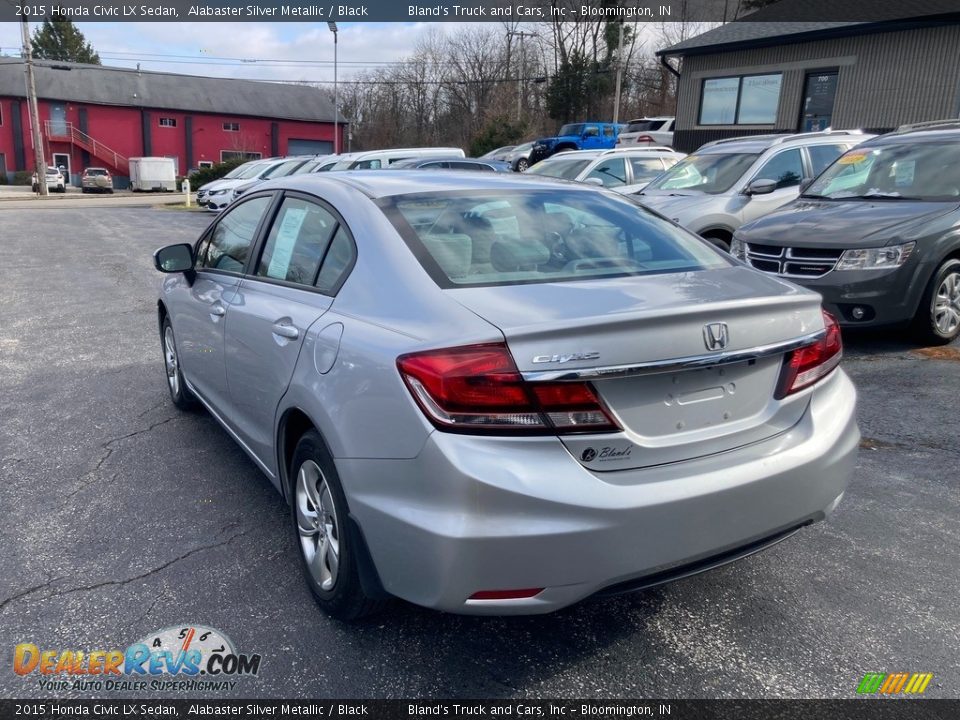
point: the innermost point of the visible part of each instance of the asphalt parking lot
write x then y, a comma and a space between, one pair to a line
123, 516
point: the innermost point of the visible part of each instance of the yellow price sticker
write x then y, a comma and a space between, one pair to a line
851, 158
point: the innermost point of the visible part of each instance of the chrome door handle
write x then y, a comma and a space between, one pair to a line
287, 331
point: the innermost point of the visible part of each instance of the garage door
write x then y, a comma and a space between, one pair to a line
309, 147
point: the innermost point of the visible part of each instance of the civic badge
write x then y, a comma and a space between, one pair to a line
715, 336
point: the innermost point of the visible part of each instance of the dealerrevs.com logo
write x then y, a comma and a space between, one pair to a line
187, 657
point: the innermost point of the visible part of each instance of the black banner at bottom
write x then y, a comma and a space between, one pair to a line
858, 709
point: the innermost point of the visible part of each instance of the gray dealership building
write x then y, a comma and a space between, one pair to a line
754, 77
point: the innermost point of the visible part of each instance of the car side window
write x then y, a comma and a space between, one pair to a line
229, 246
434, 165
297, 242
785, 167
470, 166
337, 263
608, 131
645, 168
822, 156
591, 131
611, 173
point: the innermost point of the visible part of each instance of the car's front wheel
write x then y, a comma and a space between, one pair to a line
181, 396
937, 321
319, 519
522, 165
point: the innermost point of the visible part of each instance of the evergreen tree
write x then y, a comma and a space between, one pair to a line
62, 40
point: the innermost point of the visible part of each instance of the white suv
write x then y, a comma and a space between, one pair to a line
55, 181
623, 170
727, 183
647, 131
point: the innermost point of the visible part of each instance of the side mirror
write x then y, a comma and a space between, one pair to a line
593, 181
174, 258
761, 187
805, 185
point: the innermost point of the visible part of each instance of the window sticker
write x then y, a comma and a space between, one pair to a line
904, 170
287, 237
851, 158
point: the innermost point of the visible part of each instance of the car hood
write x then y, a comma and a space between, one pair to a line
851, 223
675, 203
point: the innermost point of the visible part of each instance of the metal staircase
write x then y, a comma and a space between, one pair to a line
58, 131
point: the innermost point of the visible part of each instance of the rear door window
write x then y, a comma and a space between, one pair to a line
297, 242
232, 238
645, 169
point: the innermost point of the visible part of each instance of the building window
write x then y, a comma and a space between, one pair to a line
745, 100
205, 164
232, 127
238, 154
168, 122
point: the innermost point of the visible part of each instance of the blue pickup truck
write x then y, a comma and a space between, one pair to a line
577, 136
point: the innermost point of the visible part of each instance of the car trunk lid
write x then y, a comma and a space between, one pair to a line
651, 345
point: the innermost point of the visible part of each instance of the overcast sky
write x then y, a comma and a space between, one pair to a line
358, 42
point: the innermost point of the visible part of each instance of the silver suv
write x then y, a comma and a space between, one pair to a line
727, 183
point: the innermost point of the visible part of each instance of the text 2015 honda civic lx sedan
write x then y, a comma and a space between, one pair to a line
503, 395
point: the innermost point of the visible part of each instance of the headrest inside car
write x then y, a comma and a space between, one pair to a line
452, 251
518, 254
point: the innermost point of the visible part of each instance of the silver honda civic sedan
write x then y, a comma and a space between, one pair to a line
502, 395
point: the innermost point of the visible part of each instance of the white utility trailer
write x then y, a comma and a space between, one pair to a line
153, 174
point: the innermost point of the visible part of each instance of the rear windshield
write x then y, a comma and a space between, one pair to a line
644, 125
538, 236
711, 173
96, 171
566, 168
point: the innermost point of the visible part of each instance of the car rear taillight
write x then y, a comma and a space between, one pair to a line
644, 139
804, 366
477, 388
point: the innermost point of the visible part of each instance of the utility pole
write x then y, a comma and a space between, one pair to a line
523, 67
616, 95
33, 111
336, 99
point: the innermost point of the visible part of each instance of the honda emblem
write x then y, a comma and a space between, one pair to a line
715, 336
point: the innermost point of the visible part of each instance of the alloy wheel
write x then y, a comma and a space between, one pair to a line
318, 525
171, 361
946, 304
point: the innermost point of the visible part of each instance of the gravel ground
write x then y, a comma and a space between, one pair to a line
123, 516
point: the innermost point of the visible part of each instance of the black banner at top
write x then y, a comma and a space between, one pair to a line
475, 10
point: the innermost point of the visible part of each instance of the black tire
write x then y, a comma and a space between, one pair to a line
719, 242
339, 593
945, 283
522, 165
179, 393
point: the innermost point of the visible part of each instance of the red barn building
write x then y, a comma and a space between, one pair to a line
101, 116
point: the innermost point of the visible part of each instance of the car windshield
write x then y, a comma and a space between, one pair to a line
566, 168
905, 171
711, 173
247, 172
283, 169
474, 238
644, 125
572, 129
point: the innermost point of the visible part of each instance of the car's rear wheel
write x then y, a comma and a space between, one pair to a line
937, 321
181, 396
319, 518
522, 165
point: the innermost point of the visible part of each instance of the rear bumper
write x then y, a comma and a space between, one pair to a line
472, 513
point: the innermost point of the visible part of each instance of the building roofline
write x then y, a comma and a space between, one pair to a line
826, 33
